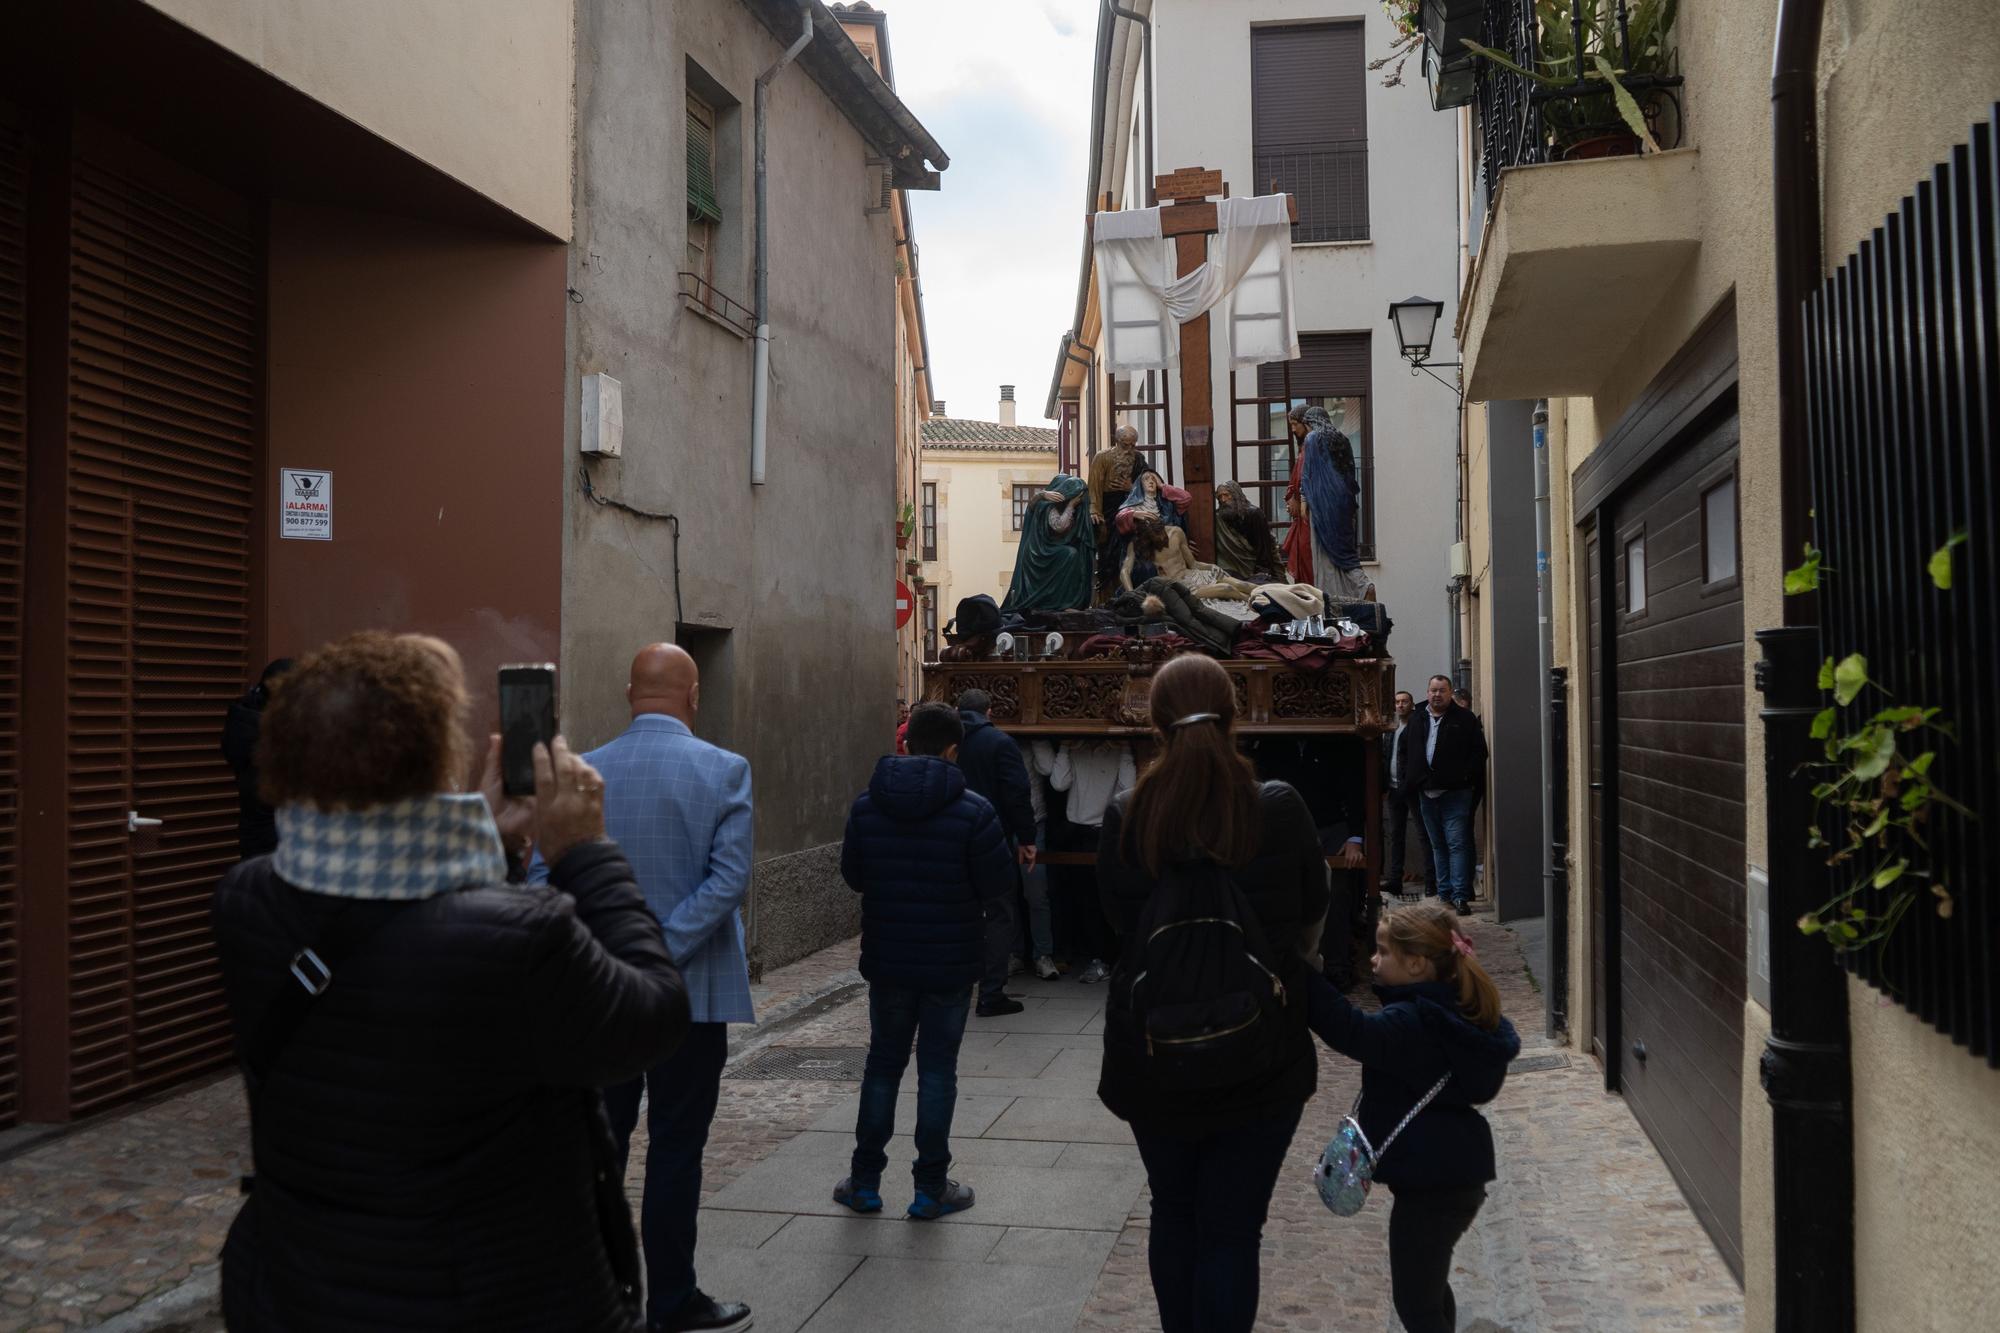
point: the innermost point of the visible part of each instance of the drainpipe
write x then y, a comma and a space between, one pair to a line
1146, 76
1807, 1068
1545, 655
760, 376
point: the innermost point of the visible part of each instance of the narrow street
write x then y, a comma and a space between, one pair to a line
121, 1220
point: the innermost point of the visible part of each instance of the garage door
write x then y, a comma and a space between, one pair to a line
1678, 613
164, 415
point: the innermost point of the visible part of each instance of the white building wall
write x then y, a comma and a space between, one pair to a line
1201, 49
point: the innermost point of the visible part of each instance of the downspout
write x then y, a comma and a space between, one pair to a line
1552, 911
760, 375
1807, 1068
1146, 75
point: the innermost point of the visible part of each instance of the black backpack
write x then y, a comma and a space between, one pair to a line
1196, 999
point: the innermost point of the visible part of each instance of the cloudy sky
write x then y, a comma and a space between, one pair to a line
1006, 89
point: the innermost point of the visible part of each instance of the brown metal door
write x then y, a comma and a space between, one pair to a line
13, 457
1592, 583
1678, 660
164, 418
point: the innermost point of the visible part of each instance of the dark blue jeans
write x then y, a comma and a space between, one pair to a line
1448, 820
935, 1021
683, 1090
1210, 1196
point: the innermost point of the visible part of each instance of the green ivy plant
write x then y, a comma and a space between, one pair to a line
1875, 802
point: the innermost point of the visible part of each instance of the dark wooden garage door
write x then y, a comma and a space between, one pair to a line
1678, 609
13, 456
164, 417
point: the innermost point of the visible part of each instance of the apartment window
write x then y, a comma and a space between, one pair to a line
1023, 497
930, 627
1309, 125
1718, 532
1333, 371
704, 204
930, 520
1635, 575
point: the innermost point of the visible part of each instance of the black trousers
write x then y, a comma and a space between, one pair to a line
1424, 1227
1397, 811
1002, 925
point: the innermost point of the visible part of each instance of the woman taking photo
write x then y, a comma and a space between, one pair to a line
423, 1040
1218, 886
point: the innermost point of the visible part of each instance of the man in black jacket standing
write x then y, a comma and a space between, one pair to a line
1397, 813
993, 768
1443, 762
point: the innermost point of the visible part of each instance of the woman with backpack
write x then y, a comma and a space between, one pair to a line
1217, 884
1439, 1048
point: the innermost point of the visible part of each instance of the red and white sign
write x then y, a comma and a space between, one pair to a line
906, 604
305, 504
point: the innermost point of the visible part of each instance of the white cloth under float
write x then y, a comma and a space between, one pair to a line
1248, 276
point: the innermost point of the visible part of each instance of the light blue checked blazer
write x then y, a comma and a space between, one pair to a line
680, 808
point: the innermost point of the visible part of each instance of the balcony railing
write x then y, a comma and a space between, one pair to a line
1564, 115
1330, 184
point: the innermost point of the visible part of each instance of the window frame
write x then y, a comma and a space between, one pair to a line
930, 624
1310, 395
1634, 539
929, 517
1734, 578
1022, 499
1336, 168
701, 232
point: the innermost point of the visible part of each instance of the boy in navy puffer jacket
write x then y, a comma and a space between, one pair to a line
1440, 1020
925, 855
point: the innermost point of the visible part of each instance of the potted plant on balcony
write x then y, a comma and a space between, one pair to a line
906, 526
1630, 68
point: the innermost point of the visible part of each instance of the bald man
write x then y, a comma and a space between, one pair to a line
680, 808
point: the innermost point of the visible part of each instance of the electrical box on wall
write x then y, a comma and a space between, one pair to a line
603, 416
1461, 560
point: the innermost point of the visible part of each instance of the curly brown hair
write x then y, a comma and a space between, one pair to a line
367, 720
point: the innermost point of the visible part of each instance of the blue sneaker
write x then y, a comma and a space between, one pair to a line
955, 1199
861, 1198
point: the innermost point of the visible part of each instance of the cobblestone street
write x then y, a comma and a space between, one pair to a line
1583, 1231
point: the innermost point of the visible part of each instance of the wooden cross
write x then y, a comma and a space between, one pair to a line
1189, 221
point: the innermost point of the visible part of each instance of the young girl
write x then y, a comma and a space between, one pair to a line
1440, 1015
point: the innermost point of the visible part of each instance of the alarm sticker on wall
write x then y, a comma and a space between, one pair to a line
305, 504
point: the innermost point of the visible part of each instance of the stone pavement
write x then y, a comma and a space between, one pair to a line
1584, 1230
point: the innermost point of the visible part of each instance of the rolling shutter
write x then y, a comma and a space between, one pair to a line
703, 204
164, 406
13, 455
1330, 365
1309, 125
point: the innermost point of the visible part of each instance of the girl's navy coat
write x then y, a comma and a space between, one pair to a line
1403, 1051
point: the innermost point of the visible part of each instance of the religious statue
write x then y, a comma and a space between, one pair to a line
1150, 500
1243, 544
1165, 551
1298, 548
1110, 480
1052, 568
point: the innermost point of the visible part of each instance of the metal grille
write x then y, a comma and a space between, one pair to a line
1535, 1064
1309, 125
1903, 390
163, 418
823, 1064
13, 455
1330, 184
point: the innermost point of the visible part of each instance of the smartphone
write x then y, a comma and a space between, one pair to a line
527, 717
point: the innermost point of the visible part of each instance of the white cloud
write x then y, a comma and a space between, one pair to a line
1006, 89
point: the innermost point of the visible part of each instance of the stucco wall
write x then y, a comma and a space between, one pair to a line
798, 571
421, 365
1204, 45
479, 89
976, 538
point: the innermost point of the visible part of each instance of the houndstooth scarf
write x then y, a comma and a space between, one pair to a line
411, 849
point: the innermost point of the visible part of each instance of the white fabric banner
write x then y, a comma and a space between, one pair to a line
1248, 274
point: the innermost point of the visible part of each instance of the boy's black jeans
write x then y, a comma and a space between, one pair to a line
1424, 1226
935, 1020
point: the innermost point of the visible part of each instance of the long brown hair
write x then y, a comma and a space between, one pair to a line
1429, 929
1197, 799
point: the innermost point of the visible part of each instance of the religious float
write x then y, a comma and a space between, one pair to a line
1113, 578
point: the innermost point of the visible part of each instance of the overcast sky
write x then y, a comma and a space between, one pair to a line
1005, 88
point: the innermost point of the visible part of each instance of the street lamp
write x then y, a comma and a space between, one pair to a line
1415, 320
1449, 68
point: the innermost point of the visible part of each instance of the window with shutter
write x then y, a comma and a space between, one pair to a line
1332, 372
704, 207
1309, 125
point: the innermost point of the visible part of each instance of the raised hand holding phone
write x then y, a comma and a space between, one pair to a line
527, 719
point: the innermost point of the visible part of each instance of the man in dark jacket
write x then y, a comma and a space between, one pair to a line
1443, 762
994, 769
924, 853
1397, 813
256, 827
1330, 774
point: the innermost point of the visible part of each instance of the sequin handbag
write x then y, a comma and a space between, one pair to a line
1346, 1170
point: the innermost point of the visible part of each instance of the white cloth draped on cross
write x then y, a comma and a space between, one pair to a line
1248, 275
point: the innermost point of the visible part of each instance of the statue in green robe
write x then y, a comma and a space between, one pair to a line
1244, 548
1052, 568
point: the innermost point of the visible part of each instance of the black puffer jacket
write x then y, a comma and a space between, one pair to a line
431, 1149
256, 826
924, 854
1285, 884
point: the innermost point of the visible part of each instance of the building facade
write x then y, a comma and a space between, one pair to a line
978, 479
1706, 342
1278, 96
294, 342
